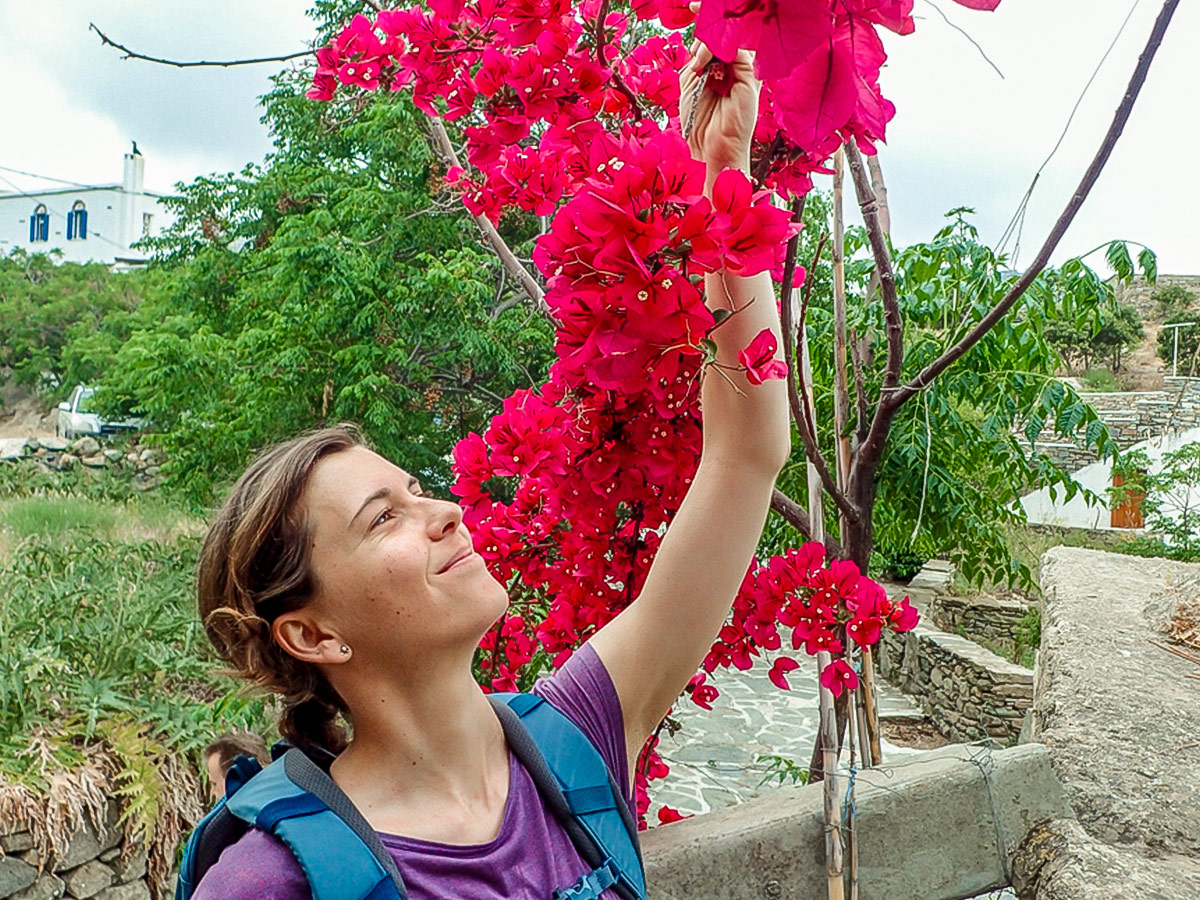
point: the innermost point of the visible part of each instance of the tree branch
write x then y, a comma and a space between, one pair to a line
871, 448
1120, 118
446, 150
795, 515
179, 64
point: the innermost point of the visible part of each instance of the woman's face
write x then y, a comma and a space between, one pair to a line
397, 575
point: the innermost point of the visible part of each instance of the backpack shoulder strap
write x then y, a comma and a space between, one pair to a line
576, 785
295, 800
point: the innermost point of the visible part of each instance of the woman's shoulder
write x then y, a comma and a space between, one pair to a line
258, 866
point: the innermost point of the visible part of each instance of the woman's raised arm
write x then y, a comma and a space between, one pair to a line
654, 646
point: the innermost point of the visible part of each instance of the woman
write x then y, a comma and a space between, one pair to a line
329, 577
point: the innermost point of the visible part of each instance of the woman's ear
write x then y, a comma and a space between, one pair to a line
304, 637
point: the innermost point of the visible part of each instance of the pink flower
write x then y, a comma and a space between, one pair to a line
838, 676
988, 5
667, 815
781, 32
702, 694
779, 670
759, 359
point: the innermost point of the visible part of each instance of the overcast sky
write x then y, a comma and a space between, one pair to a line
962, 136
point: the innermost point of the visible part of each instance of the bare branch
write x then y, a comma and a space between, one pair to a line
871, 448
180, 64
445, 148
795, 515
893, 400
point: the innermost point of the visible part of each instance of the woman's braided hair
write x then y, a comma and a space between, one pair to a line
255, 566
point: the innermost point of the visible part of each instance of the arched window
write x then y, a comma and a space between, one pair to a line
77, 222
39, 225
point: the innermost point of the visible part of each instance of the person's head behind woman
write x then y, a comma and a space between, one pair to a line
327, 564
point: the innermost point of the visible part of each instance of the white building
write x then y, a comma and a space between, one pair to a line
87, 223
1042, 509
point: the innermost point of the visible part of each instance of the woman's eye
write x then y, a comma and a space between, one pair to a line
382, 517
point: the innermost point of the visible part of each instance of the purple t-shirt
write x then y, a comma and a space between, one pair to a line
528, 860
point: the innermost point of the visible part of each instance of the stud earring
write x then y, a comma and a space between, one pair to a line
345, 651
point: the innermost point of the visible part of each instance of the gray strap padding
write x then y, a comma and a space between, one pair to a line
307, 775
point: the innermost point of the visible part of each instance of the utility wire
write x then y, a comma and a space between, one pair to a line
78, 184
1016, 225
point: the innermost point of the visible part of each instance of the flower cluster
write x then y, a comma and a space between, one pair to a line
570, 109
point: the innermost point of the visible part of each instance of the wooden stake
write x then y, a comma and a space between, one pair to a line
828, 734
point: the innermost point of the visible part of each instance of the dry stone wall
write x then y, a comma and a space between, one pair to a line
989, 620
968, 692
97, 865
1133, 417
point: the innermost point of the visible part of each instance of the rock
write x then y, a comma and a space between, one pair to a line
87, 843
89, 879
54, 445
15, 875
113, 455
86, 446
133, 866
135, 890
47, 887
12, 448
15, 843
98, 461
131, 458
149, 456
152, 471
1058, 860
66, 462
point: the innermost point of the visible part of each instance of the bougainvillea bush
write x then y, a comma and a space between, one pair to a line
572, 111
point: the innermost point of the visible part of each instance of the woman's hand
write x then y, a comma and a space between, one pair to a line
719, 125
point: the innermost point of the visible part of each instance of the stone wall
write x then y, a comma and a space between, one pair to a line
1133, 417
1139, 291
990, 620
97, 865
967, 692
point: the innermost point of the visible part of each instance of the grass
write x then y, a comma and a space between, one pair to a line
1100, 380
107, 686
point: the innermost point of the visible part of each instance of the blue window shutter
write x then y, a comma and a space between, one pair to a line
45, 226
70, 225
82, 224
33, 228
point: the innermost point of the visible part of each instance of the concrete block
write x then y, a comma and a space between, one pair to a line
937, 827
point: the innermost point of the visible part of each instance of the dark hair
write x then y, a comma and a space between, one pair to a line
232, 744
255, 566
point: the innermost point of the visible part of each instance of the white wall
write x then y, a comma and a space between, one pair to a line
1097, 477
115, 219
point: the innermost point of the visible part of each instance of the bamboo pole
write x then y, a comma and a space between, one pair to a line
828, 735
841, 420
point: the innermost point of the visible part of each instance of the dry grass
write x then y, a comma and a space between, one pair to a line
1185, 627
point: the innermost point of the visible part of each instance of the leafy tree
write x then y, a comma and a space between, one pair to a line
1174, 298
1169, 494
330, 284
1115, 329
961, 453
46, 306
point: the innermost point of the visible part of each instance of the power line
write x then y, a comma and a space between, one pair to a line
1017, 224
78, 184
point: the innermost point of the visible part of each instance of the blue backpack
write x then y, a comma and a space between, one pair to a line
295, 799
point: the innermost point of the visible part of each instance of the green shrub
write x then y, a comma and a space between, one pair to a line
896, 564
1100, 380
1172, 299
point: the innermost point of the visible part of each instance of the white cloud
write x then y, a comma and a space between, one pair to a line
962, 136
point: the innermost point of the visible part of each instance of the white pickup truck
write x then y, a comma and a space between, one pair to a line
75, 418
